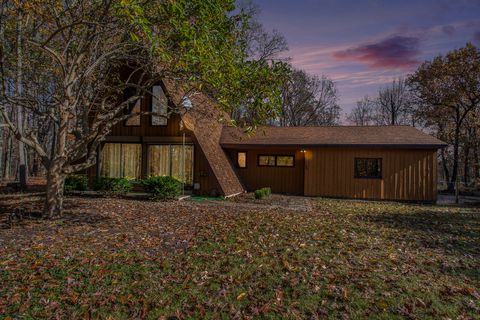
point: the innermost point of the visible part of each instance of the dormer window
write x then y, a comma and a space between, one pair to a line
159, 106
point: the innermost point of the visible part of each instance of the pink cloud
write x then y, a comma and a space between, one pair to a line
396, 52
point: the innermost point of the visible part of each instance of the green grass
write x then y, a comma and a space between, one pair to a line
344, 260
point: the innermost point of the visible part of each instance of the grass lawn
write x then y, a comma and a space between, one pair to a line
119, 259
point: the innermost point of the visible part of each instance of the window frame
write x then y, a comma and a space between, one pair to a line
276, 160
266, 165
151, 108
246, 162
355, 171
285, 155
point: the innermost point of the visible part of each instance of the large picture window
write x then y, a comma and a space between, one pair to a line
368, 168
166, 160
159, 106
121, 160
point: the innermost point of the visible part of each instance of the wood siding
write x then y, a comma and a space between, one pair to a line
146, 134
287, 180
406, 174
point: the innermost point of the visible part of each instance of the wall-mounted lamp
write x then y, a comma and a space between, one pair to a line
303, 150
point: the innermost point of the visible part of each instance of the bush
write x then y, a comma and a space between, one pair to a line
162, 187
75, 182
262, 193
112, 186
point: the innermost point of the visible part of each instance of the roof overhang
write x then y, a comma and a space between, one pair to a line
303, 146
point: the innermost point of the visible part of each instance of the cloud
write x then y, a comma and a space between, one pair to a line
448, 30
398, 52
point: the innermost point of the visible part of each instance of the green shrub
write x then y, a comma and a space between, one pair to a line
262, 193
162, 187
112, 186
76, 182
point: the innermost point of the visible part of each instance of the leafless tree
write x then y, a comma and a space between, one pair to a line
363, 113
262, 44
394, 104
309, 101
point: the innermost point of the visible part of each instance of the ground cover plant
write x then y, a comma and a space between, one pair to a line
117, 258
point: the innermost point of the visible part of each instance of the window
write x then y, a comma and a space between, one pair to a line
279, 161
159, 106
285, 161
242, 159
370, 168
266, 161
121, 160
166, 160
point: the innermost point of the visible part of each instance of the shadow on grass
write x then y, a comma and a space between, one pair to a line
16, 208
456, 232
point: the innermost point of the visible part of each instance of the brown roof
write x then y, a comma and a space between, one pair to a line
206, 122
351, 136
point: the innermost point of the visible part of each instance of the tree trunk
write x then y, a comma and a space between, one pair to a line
466, 167
446, 173
53, 207
22, 169
451, 184
476, 163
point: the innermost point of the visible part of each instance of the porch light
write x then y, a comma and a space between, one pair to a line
303, 150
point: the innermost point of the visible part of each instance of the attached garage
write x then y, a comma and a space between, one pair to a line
377, 162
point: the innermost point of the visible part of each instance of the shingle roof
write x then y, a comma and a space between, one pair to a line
205, 120
352, 136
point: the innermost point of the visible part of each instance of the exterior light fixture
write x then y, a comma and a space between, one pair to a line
303, 150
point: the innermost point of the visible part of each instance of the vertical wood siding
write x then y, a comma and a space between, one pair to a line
172, 129
202, 171
406, 174
280, 179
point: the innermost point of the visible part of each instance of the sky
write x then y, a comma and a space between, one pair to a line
364, 44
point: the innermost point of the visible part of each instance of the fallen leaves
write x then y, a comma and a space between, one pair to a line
139, 259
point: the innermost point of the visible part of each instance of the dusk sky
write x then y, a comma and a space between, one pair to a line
364, 44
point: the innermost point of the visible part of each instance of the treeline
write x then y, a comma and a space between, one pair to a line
442, 97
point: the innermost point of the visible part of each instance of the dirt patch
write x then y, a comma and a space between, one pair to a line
297, 203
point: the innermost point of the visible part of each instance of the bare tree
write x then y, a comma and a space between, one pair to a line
394, 104
262, 44
363, 113
309, 101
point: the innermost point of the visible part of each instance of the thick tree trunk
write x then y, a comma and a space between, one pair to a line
53, 207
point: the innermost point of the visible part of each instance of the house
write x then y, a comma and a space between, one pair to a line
196, 146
